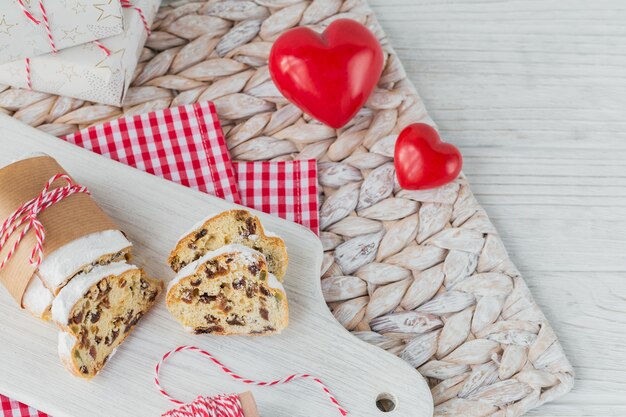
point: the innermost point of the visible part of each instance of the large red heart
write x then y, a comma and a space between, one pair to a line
329, 76
423, 161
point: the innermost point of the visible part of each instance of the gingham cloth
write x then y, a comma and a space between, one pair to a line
12, 408
285, 189
184, 144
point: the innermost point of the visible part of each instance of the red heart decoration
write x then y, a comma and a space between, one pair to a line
423, 161
329, 76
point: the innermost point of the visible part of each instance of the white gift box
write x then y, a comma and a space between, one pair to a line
85, 71
24, 32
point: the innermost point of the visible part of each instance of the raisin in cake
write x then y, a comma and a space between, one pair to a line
229, 291
231, 227
97, 310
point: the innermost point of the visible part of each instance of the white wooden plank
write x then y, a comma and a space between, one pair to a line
534, 94
314, 342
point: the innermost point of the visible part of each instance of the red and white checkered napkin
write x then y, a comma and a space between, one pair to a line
285, 189
12, 408
184, 144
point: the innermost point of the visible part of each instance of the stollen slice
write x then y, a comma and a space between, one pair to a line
38, 298
77, 257
96, 311
228, 291
231, 227
82, 255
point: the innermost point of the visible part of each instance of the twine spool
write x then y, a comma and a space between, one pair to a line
201, 406
219, 406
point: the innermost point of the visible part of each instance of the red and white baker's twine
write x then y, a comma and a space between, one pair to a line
27, 13
29, 82
104, 49
196, 409
27, 213
127, 4
44, 17
220, 406
34, 20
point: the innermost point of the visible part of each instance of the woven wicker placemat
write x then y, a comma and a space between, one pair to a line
422, 274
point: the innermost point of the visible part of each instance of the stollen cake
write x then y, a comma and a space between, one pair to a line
77, 257
228, 291
81, 255
231, 227
37, 299
97, 310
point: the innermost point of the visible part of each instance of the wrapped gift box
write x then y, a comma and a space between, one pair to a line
85, 71
71, 23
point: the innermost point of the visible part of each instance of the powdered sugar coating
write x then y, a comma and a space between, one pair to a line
37, 298
65, 344
76, 288
249, 255
211, 215
269, 233
66, 261
273, 283
199, 223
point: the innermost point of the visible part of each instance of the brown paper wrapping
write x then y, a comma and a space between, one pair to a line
64, 222
248, 404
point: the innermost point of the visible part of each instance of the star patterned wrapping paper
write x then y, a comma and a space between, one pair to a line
85, 71
71, 23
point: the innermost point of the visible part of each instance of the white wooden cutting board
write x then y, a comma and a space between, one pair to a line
154, 213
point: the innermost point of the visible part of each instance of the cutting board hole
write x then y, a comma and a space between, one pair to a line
386, 402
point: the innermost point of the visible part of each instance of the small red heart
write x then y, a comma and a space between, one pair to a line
423, 161
329, 76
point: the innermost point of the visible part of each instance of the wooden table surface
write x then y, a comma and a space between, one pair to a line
534, 94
